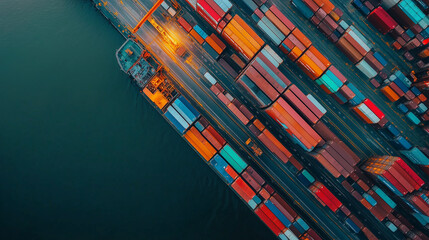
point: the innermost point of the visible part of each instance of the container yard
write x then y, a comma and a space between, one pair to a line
314, 112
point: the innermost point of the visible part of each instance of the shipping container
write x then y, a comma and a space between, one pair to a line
242, 37
382, 20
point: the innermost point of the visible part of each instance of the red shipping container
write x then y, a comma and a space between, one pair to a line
402, 180
382, 20
273, 217
300, 107
394, 182
206, 16
264, 194
270, 224
410, 172
324, 199
406, 176
420, 204
231, 172
243, 189
306, 101
282, 17
216, 135
295, 163
215, 7
345, 210
209, 9
331, 196
374, 108
276, 147
262, 84
184, 24
238, 113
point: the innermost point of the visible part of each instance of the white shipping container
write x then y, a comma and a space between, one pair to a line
210, 78
273, 54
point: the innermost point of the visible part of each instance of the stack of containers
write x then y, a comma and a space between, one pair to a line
406, 23
233, 104
268, 205
329, 136
359, 97
369, 112
297, 128
213, 11
181, 114
325, 197
242, 37
273, 23
394, 173
311, 8
354, 45
213, 46
262, 79
283, 220
414, 104
198, 33
366, 6
303, 104
335, 159
369, 195
270, 141
295, 44
313, 63
406, 13
331, 81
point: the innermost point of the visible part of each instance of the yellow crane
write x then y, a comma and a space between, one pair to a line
146, 17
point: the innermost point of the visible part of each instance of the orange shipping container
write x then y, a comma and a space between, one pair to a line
285, 30
212, 151
294, 54
248, 29
216, 43
239, 33
275, 146
328, 6
301, 37
198, 145
244, 35
296, 128
236, 43
197, 37
319, 56
284, 119
259, 125
309, 67
389, 93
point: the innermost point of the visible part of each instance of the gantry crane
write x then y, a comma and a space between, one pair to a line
146, 17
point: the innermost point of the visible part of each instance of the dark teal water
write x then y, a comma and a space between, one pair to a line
82, 155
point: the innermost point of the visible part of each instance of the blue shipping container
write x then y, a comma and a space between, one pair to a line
277, 213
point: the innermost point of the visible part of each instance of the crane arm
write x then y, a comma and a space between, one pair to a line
146, 17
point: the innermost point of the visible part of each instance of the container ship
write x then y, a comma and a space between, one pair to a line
314, 114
